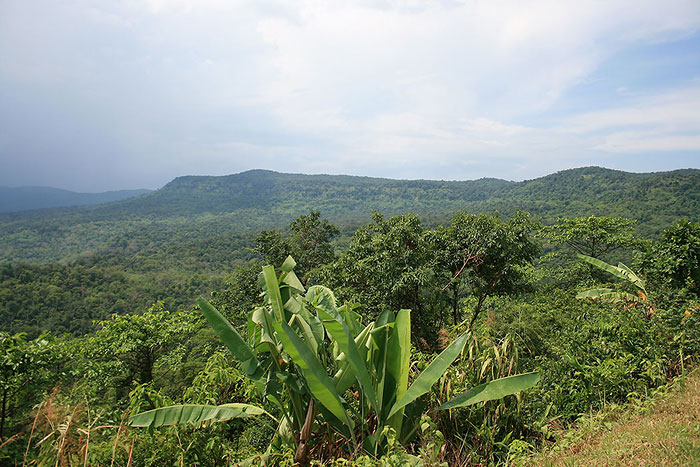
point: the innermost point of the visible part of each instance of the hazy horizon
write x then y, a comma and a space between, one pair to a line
339, 174
129, 95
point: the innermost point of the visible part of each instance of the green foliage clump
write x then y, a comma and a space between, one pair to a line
594, 236
387, 266
78, 393
308, 241
485, 255
674, 260
293, 340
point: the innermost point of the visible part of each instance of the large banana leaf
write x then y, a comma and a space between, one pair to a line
344, 378
631, 276
620, 271
352, 319
496, 389
431, 374
315, 374
175, 414
240, 350
260, 328
311, 324
609, 294
293, 281
305, 330
289, 264
338, 329
273, 292
398, 360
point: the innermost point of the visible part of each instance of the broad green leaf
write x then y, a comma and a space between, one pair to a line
306, 332
361, 341
385, 317
288, 265
322, 297
379, 343
273, 292
293, 281
293, 304
345, 377
260, 319
602, 265
622, 297
398, 360
316, 327
315, 374
496, 389
235, 343
352, 319
431, 374
609, 294
634, 278
593, 293
378, 335
175, 414
339, 331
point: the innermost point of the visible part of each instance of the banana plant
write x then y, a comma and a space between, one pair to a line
621, 272
323, 370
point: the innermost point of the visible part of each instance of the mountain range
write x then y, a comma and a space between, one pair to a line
214, 208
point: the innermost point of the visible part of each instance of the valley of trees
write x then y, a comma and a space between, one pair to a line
13, 199
470, 330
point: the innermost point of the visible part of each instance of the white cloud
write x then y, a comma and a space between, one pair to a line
669, 121
380, 87
392, 84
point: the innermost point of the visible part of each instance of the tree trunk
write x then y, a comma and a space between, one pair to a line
4, 411
302, 454
476, 311
455, 316
146, 368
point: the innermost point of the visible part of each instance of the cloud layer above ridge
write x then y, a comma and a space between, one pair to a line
123, 94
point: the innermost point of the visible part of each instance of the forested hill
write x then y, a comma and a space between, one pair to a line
23, 198
193, 208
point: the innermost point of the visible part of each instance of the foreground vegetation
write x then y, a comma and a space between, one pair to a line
661, 431
516, 331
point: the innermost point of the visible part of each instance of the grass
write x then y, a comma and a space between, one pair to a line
663, 431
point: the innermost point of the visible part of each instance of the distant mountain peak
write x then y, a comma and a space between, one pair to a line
14, 199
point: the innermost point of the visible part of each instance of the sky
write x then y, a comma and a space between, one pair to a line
102, 95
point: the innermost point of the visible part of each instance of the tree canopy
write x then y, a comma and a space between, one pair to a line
593, 236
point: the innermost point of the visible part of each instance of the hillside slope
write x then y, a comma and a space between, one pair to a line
13, 199
206, 207
667, 433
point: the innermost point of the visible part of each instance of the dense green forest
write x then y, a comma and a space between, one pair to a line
182, 240
339, 328
203, 207
14, 199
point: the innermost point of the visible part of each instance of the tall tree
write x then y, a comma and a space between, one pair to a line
485, 256
126, 348
308, 242
593, 236
388, 265
675, 259
25, 368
